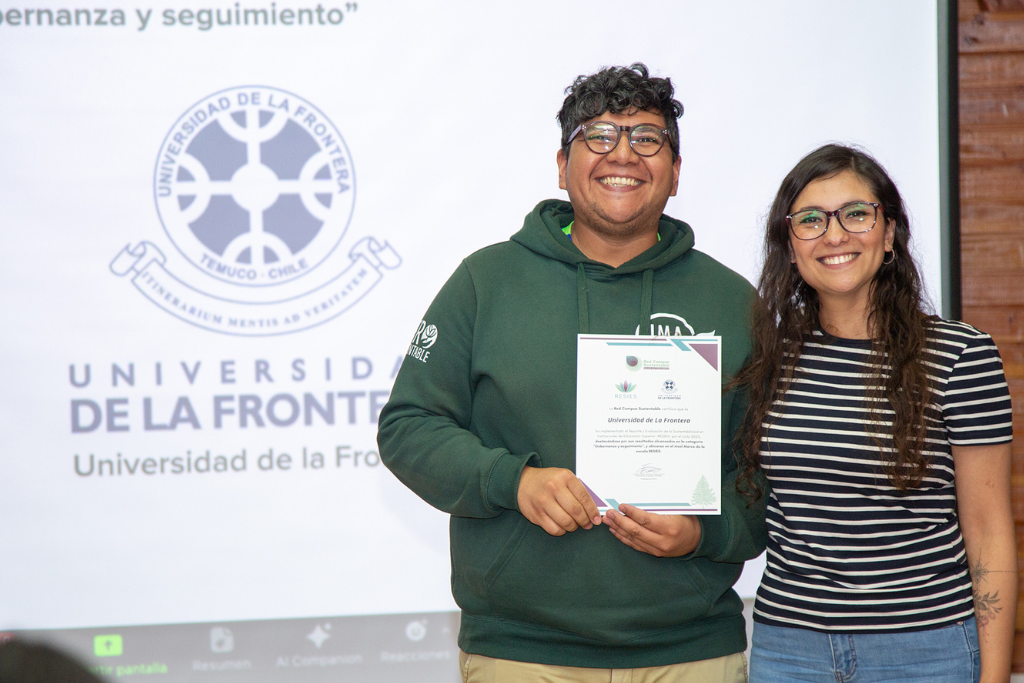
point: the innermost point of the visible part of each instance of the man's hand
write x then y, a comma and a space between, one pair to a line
555, 500
658, 535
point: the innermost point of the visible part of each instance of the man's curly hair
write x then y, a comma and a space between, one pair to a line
619, 89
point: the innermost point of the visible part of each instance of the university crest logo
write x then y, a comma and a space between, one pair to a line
255, 190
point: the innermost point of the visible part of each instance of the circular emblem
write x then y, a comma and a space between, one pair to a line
429, 336
415, 630
669, 386
632, 363
255, 187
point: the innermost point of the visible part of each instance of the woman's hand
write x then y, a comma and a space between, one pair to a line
658, 535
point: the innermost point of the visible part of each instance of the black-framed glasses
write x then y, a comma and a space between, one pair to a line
602, 137
811, 224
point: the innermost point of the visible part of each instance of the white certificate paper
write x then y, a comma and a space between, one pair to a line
648, 422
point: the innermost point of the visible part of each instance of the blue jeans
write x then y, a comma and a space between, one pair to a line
943, 655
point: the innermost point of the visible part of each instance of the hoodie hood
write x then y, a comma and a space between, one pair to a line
542, 233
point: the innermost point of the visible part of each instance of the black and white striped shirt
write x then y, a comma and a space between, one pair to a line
847, 551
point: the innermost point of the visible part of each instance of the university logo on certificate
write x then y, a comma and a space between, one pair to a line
649, 422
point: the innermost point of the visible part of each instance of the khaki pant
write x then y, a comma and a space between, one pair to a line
480, 669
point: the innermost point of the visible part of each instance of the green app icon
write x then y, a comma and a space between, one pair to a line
108, 646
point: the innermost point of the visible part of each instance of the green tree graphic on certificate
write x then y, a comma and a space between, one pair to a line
703, 495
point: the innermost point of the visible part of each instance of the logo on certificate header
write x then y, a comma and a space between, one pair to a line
669, 390
634, 364
255, 190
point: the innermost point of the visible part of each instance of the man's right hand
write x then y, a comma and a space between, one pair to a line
555, 500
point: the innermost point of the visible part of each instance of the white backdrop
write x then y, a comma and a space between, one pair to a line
413, 90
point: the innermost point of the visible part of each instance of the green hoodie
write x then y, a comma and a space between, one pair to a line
489, 386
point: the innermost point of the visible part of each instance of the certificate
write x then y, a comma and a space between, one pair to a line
649, 422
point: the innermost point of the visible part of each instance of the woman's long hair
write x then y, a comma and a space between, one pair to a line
786, 314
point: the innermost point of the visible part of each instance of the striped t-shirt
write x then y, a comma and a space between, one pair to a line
847, 551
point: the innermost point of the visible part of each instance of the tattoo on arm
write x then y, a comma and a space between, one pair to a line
979, 572
986, 605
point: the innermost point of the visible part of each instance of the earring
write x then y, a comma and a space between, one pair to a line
893, 253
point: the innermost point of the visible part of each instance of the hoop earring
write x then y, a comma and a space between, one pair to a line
885, 263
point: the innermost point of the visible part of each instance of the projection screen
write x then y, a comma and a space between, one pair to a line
222, 222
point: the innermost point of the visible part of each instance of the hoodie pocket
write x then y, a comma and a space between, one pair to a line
692, 572
591, 585
509, 551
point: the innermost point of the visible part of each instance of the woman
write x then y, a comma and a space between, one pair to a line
885, 439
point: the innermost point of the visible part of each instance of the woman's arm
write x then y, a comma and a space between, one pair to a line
986, 521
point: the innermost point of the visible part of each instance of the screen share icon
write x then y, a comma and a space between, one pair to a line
109, 645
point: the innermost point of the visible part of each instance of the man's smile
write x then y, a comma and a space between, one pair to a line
619, 181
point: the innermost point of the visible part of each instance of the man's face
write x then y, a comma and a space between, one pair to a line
621, 193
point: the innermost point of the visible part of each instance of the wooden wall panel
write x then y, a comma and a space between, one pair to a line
968, 10
992, 33
993, 183
978, 219
992, 144
992, 107
999, 252
1013, 357
1003, 5
991, 97
1017, 388
992, 289
991, 70
1004, 323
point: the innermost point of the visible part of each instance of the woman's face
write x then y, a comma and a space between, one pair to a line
840, 265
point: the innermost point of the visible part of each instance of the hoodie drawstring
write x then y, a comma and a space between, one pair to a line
646, 297
581, 297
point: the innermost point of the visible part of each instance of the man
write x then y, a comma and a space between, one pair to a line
484, 426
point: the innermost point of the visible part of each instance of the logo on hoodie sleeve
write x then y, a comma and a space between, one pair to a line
424, 338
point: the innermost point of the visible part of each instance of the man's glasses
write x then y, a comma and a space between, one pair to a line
603, 136
813, 223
